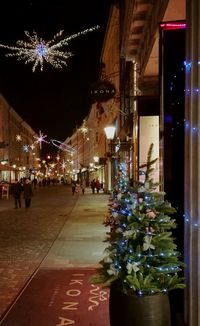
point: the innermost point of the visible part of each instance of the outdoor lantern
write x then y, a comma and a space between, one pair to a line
96, 159
110, 132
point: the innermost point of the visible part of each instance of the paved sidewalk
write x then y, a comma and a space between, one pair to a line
83, 226
26, 236
80, 241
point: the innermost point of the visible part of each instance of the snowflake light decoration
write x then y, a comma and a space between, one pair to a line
40, 139
84, 129
32, 146
52, 165
26, 148
37, 51
63, 165
18, 138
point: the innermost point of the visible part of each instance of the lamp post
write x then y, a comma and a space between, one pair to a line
96, 159
110, 134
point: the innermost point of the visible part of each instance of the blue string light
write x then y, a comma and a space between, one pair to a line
187, 124
187, 65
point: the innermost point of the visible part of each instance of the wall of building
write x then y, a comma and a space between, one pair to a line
13, 154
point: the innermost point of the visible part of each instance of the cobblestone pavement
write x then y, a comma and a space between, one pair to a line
26, 236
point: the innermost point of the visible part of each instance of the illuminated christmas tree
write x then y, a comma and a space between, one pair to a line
141, 256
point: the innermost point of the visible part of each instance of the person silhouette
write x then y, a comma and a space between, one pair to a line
28, 193
17, 189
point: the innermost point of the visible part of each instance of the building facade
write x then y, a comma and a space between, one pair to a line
19, 156
135, 57
153, 55
144, 111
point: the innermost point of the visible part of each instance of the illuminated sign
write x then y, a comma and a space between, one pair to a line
102, 91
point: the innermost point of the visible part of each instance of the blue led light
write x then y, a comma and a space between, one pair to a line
41, 50
187, 65
187, 124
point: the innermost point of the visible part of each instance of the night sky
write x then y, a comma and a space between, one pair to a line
53, 101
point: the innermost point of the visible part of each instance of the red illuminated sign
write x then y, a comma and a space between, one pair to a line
173, 25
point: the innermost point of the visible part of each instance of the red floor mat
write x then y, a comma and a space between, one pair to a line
60, 298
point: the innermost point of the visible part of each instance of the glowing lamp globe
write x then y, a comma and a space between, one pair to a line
110, 132
96, 159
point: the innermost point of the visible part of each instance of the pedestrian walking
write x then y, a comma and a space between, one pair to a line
73, 185
93, 185
97, 185
35, 183
28, 193
48, 182
16, 190
83, 185
44, 182
77, 189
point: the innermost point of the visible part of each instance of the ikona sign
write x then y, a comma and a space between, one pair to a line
102, 91
67, 298
82, 302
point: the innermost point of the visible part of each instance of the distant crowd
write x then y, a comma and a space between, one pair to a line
79, 186
26, 186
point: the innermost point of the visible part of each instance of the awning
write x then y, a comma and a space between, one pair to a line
6, 168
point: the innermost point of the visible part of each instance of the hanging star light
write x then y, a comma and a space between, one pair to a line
32, 146
40, 139
52, 165
18, 138
26, 148
84, 129
63, 165
37, 51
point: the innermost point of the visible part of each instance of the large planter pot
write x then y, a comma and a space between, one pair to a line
133, 310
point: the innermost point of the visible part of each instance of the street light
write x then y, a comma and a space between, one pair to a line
96, 159
110, 134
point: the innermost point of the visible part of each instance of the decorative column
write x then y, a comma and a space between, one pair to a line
192, 164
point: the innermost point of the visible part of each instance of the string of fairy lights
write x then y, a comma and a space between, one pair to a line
185, 67
131, 212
